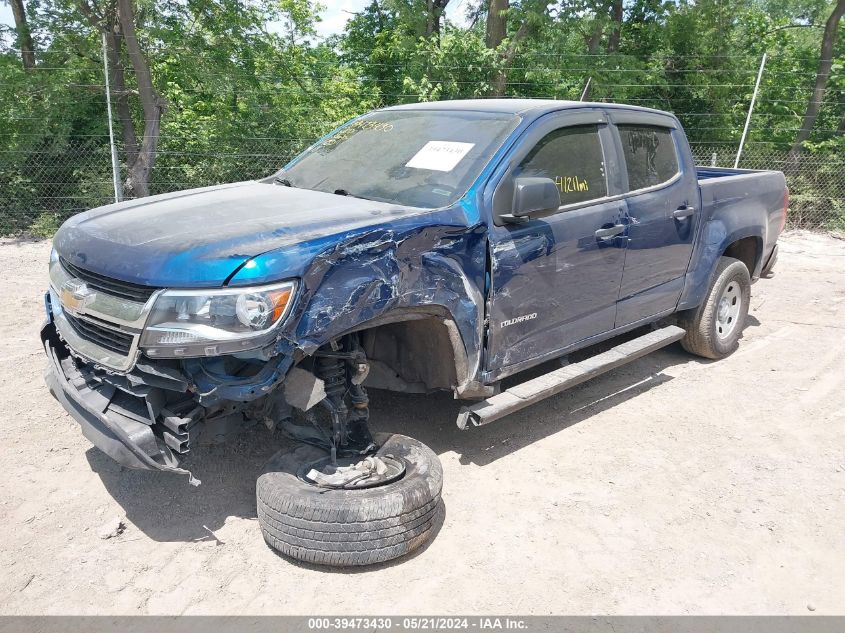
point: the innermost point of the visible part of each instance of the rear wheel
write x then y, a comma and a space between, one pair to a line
304, 517
713, 329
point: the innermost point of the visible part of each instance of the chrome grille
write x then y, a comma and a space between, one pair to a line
101, 335
109, 285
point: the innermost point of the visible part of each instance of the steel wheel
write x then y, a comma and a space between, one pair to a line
713, 329
728, 310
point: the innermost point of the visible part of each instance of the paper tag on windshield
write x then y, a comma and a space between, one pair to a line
440, 155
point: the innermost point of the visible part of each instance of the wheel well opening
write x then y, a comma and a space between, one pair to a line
413, 356
746, 250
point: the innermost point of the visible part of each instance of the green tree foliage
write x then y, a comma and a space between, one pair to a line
247, 83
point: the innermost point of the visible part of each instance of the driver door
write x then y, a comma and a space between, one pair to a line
554, 280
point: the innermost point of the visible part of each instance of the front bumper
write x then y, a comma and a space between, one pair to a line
101, 410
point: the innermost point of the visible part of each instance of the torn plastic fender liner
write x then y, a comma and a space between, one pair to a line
374, 273
214, 387
104, 433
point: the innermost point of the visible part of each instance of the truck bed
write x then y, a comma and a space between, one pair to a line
720, 184
736, 201
709, 173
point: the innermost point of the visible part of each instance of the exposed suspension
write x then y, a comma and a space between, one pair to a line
342, 368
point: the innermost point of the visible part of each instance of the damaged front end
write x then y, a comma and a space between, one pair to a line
151, 417
134, 423
114, 362
150, 372
147, 413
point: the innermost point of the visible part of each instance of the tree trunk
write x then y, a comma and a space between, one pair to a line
822, 74
500, 84
616, 18
121, 96
435, 13
595, 38
106, 22
24, 35
153, 106
497, 22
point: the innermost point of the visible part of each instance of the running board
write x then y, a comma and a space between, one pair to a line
536, 389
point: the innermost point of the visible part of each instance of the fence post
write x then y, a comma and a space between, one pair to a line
115, 167
750, 110
586, 91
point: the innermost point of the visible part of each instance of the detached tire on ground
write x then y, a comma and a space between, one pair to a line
713, 329
349, 527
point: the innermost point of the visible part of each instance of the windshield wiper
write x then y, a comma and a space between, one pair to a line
283, 181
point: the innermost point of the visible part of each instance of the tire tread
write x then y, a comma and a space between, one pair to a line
700, 338
349, 527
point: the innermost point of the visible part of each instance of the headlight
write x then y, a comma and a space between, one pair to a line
212, 322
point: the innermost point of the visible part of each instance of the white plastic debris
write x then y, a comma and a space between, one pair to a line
342, 475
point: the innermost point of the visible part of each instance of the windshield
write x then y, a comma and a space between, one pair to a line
420, 158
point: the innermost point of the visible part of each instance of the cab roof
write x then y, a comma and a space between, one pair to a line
533, 107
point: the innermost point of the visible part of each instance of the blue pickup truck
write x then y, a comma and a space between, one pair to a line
435, 246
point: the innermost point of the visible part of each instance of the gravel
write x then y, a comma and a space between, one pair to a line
672, 485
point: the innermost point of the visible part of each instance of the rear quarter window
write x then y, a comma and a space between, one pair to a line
650, 155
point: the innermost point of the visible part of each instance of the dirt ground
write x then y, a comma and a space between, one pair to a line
671, 485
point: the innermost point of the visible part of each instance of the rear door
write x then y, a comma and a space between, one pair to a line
662, 200
554, 280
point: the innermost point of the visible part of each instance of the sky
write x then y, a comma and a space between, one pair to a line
338, 12
334, 16
6, 14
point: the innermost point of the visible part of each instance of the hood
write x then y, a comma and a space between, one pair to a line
199, 237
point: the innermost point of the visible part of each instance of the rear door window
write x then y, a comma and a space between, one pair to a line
573, 158
650, 155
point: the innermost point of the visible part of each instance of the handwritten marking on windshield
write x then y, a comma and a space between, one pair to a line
358, 126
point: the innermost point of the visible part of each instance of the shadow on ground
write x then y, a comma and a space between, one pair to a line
166, 508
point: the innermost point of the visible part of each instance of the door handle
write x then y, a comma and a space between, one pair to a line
609, 232
683, 212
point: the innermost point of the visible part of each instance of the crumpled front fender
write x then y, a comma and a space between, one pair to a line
386, 270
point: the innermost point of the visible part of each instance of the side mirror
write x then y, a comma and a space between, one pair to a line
533, 195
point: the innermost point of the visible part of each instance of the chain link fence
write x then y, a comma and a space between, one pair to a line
816, 182
42, 188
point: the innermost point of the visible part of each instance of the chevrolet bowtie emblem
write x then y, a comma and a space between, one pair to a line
75, 295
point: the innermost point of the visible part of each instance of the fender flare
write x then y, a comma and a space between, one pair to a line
715, 240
